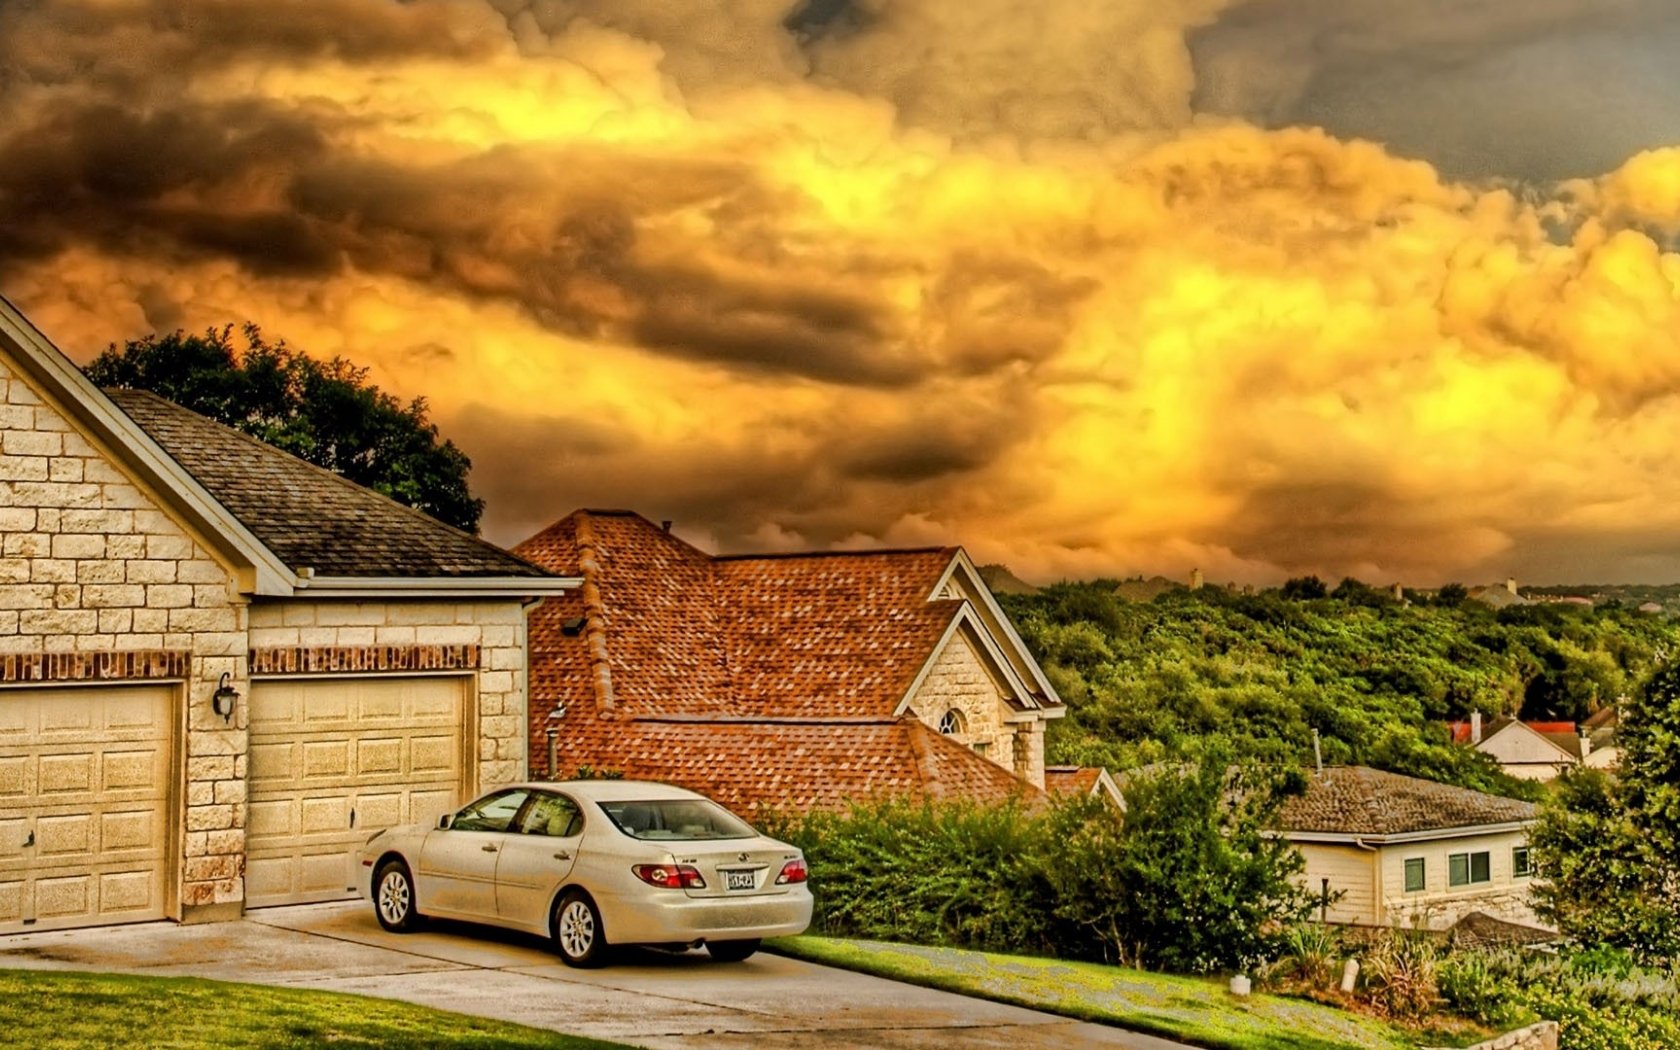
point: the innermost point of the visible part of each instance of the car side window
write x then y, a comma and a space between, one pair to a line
554, 815
491, 813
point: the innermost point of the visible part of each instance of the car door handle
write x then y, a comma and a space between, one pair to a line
562, 855
488, 848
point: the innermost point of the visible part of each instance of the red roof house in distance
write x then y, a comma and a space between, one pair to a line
782, 681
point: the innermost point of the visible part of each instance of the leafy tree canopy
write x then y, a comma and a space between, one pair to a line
325, 412
1609, 849
1171, 678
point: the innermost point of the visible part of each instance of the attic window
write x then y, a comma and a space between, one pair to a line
951, 722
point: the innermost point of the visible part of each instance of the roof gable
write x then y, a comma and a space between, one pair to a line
259, 570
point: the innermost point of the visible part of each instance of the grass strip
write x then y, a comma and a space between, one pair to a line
74, 1010
1200, 1011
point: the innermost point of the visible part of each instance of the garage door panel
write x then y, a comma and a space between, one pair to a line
15, 779
64, 774
86, 782
131, 770
334, 761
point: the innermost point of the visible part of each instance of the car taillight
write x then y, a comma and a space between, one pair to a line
792, 871
670, 876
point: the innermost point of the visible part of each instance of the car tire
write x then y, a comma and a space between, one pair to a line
578, 936
393, 897
732, 951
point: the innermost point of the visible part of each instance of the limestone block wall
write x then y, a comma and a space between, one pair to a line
959, 680
495, 628
91, 563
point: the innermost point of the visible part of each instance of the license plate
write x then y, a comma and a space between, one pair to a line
739, 880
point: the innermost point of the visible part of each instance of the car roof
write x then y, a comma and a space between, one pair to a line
613, 790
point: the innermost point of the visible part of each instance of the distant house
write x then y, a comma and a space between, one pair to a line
789, 681
1385, 849
1530, 750
1500, 596
1600, 730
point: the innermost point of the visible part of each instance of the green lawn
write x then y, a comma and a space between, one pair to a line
70, 1011
1194, 1010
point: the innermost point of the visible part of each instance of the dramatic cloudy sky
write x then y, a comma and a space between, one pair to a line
1382, 287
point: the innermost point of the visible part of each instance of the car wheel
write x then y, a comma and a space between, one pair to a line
393, 897
578, 936
731, 951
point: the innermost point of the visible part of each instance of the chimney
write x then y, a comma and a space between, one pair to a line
666, 525
1511, 584
1399, 593
1586, 741
1475, 727
1195, 579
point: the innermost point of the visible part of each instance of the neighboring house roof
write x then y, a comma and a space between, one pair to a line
309, 516
1562, 736
1604, 718
1497, 595
1065, 781
1356, 801
670, 662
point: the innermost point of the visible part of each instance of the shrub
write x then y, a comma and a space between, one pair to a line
1402, 974
1309, 952
1186, 880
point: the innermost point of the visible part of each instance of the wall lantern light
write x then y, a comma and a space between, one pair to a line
222, 700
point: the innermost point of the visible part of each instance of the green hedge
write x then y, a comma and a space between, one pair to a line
1185, 881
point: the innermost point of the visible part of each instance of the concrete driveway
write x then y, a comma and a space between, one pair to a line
646, 999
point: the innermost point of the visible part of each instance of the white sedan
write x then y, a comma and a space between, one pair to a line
593, 862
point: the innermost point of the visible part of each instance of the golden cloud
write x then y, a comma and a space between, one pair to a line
821, 291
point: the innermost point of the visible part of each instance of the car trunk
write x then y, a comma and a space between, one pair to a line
736, 867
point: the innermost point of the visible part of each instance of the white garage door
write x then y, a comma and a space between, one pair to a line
334, 761
86, 782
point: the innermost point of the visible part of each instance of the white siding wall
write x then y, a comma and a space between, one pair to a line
1440, 905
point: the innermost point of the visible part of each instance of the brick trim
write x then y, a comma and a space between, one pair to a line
111, 665
330, 659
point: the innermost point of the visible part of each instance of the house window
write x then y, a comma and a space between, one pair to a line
951, 722
981, 747
1464, 869
1414, 875
1522, 865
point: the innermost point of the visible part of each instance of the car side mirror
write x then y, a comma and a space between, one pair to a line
445, 820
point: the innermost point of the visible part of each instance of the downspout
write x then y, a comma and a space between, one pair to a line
1376, 878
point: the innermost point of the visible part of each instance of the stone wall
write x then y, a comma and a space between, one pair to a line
959, 680
1542, 1036
90, 562
329, 633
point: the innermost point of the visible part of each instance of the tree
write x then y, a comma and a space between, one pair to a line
1607, 848
1304, 588
325, 412
1452, 595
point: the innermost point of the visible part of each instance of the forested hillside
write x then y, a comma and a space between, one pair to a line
1377, 677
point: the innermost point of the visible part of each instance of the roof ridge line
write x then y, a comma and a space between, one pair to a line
856, 553
594, 616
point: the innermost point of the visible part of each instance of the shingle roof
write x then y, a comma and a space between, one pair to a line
761, 681
310, 517
1356, 800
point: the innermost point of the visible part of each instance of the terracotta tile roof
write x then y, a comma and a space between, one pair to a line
680, 632
766, 681
790, 766
1356, 800
310, 517
1071, 780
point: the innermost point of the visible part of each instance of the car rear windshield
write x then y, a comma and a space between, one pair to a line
677, 820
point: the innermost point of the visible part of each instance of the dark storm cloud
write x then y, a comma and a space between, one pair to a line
1542, 90
105, 175
1337, 525
139, 47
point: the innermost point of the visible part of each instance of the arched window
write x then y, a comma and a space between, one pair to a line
951, 722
